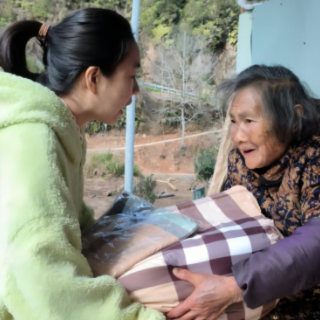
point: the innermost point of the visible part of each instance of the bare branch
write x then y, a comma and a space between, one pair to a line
185, 67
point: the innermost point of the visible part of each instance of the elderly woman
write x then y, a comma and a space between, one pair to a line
272, 143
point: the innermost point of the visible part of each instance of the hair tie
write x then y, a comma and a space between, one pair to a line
43, 32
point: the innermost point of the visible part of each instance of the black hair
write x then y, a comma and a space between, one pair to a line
87, 37
281, 90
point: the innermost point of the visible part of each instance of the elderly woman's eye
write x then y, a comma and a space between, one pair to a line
248, 120
232, 121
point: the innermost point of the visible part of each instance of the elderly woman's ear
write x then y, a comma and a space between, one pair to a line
298, 108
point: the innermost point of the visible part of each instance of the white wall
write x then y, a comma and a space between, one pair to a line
244, 58
286, 32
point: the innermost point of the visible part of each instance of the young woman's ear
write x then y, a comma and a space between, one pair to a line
91, 76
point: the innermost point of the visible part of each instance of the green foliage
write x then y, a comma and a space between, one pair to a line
158, 17
204, 164
160, 20
136, 170
218, 22
111, 163
96, 162
145, 188
40, 8
94, 126
3, 21
215, 20
45, 9
233, 32
102, 158
159, 32
115, 167
31, 9
122, 120
121, 6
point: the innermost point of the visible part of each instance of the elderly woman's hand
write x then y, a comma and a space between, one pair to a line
212, 295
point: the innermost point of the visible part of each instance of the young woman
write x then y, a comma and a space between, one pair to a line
272, 147
90, 61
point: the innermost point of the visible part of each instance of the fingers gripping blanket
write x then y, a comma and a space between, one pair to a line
231, 229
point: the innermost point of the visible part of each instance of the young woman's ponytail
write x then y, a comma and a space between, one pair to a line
13, 47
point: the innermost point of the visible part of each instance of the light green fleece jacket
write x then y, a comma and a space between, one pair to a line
43, 274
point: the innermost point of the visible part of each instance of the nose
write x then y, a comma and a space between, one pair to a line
237, 134
136, 88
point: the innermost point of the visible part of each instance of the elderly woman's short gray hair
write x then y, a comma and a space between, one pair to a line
281, 90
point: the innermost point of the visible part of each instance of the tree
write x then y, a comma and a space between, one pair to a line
184, 69
158, 17
215, 20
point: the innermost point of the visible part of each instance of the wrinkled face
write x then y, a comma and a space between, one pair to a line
115, 92
250, 131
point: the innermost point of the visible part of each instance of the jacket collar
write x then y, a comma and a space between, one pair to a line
273, 172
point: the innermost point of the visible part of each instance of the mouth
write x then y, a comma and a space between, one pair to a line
248, 152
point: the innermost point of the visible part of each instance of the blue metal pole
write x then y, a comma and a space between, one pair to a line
130, 126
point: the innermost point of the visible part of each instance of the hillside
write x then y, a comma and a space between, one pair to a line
216, 20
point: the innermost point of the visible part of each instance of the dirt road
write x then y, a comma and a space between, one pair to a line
157, 155
155, 143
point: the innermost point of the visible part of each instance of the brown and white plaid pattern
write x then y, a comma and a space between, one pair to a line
232, 229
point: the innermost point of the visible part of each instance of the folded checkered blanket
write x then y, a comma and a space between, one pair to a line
232, 229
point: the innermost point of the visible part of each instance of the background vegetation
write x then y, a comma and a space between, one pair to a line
160, 20
103, 164
204, 164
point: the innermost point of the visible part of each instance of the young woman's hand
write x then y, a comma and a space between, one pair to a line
212, 295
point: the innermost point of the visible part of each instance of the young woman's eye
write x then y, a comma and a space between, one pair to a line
248, 120
233, 121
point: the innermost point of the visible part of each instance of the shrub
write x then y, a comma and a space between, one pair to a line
94, 126
145, 188
204, 164
97, 161
105, 157
110, 163
115, 167
136, 170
